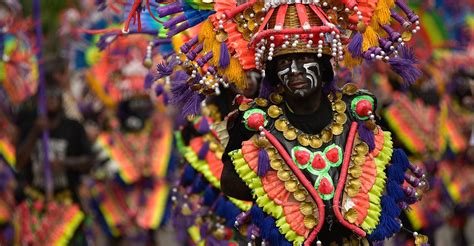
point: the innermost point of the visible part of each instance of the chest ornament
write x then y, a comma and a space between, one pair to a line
318, 163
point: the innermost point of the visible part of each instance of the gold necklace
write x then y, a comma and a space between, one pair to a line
314, 140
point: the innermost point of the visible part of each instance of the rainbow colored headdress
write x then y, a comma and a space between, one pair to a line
236, 38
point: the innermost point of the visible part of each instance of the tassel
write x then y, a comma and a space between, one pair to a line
407, 53
267, 227
231, 213
224, 58
203, 151
401, 158
395, 173
188, 176
263, 162
193, 105
355, 46
199, 185
257, 215
390, 207
366, 135
149, 79
395, 191
220, 207
180, 90
370, 39
203, 126
405, 68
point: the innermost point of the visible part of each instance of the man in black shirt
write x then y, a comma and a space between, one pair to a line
69, 149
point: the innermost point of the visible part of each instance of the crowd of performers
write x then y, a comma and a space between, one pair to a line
253, 122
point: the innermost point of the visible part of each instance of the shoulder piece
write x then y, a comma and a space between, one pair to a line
362, 102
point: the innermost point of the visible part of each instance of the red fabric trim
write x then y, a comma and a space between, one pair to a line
302, 15
265, 21
302, 178
342, 180
280, 18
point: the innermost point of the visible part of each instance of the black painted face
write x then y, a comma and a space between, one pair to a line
300, 74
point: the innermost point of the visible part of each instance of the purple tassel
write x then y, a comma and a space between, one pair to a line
355, 46
180, 90
204, 126
177, 29
263, 162
407, 53
166, 68
366, 135
224, 59
405, 69
390, 207
203, 151
193, 105
169, 9
149, 79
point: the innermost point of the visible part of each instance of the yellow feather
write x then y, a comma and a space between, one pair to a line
235, 74
349, 61
370, 38
382, 12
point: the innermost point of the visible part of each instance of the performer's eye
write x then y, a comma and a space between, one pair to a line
284, 62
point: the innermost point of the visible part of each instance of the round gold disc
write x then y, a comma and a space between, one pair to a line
274, 111
359, 159
290, 134
261, 102
304, 140
310, 221
340, 106
291, 185
276, 164
299, 195
306, 208
276, 98
337, 129
281, 125
340, 118
362, 148
326, 135
350, 89
316, 142
283, 175
244, 107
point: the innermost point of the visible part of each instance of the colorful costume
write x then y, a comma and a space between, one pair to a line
348, 175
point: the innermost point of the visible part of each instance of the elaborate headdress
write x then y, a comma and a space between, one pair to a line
236, 38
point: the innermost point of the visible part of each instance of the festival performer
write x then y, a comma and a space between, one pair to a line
311, 157
130, 187
202, 213
70, 155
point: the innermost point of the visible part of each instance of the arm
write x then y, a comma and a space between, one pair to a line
27, 145
231, 184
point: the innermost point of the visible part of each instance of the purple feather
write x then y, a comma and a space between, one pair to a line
193, 105
263, 162
405, 69
224, 58
355, 46
366, 135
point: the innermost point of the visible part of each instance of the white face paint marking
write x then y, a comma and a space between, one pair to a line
283, 75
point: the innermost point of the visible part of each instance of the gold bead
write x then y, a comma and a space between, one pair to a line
290, 134
310, 221
299, 195
244, 107
326, 135
281, 125
291, 185
316, 142
276, 164
337, 129
261, 102
351, 215
340, 118
283, 175
306, 208
276, 98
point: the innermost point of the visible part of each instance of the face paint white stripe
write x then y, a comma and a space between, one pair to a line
311, 75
